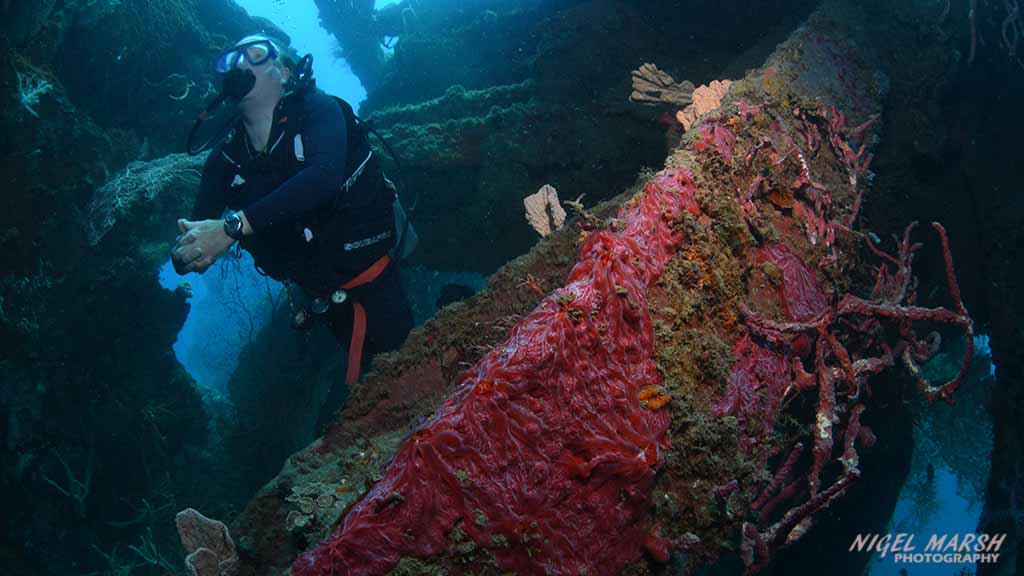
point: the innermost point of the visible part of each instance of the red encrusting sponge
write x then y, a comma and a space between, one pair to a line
544, 455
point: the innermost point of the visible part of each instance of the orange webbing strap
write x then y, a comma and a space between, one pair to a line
368, 275
355, 348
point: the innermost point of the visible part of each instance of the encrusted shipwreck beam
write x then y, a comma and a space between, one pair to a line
587, 428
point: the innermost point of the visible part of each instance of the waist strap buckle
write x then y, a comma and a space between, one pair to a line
320, 304
339, 296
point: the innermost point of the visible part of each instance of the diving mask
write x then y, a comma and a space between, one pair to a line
256, 50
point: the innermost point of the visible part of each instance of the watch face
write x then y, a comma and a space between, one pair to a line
233, 225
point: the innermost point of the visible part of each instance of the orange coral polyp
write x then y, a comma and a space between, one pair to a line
649, 392
781, 199
659, 402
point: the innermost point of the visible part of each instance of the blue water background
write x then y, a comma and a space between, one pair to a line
950, 509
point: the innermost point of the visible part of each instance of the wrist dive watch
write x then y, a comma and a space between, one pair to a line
233, 225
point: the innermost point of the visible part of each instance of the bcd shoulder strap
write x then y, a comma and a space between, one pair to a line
357, 138
352, 122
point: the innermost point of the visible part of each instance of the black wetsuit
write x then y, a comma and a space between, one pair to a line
308, 226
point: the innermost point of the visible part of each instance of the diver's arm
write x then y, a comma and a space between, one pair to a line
325, 140
195, 250
210, 200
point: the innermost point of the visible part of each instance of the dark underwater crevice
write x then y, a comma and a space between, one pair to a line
945, 159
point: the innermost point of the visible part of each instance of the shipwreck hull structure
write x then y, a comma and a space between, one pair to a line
685, 374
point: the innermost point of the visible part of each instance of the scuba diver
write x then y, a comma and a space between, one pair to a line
297, 185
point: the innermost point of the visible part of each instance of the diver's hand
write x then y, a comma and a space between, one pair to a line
199, 245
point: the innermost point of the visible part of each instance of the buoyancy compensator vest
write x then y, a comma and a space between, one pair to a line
338, 240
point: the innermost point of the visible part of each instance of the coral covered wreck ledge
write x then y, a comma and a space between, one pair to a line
690, 377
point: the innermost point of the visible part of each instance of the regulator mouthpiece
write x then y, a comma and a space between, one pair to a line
238, 83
